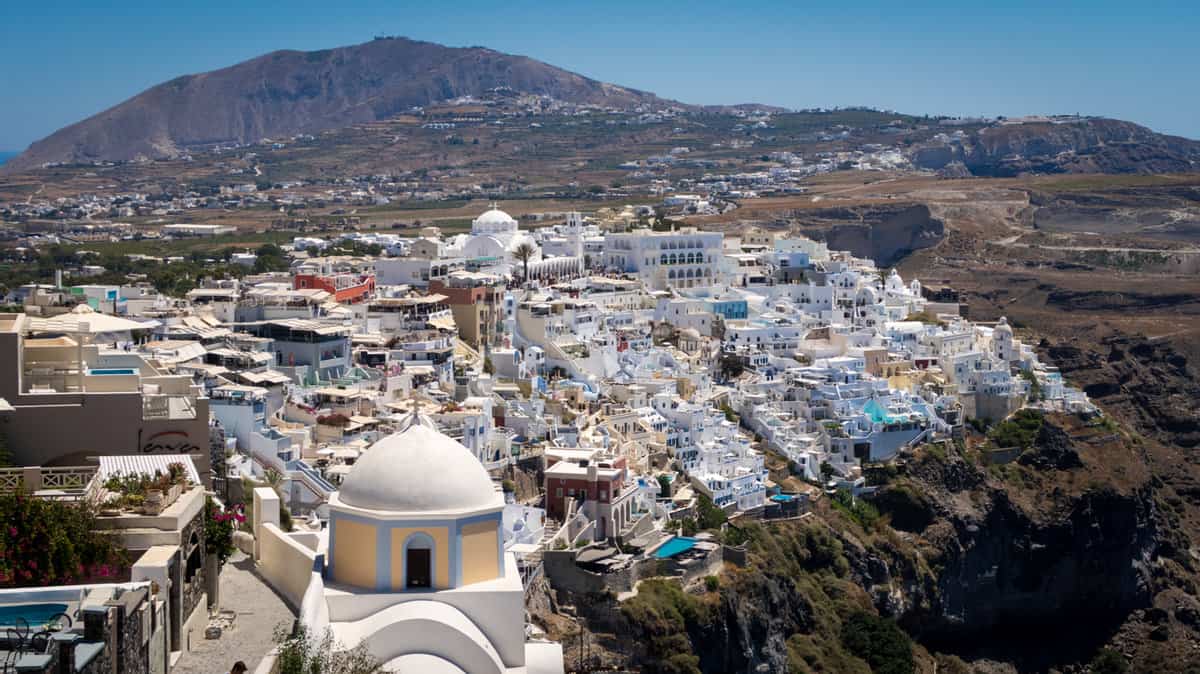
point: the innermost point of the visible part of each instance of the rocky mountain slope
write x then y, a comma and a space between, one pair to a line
1085, 145
284, 93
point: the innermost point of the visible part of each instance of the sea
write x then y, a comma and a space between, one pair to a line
5, 156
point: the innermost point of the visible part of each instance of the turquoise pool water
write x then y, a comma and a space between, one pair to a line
34, 614
783, 498
113, 370
675, 546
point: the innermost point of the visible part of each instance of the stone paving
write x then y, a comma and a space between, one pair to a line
259, 611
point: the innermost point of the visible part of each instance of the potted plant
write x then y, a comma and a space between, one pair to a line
171, 488
154, 499
111, 507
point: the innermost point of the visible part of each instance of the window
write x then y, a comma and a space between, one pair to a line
558, 492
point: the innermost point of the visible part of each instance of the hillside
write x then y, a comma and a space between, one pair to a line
285, 93
1076, 145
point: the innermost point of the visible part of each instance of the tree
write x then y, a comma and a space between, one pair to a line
488, 367
525, 253
708, 515
826, 472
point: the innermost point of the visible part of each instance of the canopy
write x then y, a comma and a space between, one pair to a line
83, 320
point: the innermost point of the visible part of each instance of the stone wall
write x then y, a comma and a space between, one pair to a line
194, 570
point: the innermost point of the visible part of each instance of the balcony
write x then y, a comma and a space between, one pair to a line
168, 406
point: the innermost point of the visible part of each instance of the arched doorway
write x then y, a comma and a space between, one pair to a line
418, 561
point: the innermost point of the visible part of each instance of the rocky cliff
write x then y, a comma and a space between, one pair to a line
1088, 145
885, 234
289, 92
1026, 565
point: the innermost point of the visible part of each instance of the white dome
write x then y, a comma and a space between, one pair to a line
494, 220
419, 470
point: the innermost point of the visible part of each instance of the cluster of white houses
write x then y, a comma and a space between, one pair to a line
642, 370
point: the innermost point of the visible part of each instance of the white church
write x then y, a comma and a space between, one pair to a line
496, 236
412, 564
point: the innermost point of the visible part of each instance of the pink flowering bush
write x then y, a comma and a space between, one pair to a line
46, 542
219, 526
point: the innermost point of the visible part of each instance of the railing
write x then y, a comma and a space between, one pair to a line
158, 406
69, 483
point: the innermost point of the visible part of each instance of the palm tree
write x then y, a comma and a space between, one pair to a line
524, 252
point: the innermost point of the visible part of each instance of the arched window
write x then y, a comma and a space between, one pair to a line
671, 274
418, 561
663, 259
673, 259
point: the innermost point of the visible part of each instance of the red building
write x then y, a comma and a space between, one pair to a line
346, 288
597, 483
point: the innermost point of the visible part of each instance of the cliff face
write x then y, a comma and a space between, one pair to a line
1086, 146
883, 233
289, 92
1036, 563
1008, 560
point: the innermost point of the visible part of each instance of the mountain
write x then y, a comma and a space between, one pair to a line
284, 93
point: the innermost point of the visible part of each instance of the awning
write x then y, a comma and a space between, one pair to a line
445, 322
133, 464
83, 320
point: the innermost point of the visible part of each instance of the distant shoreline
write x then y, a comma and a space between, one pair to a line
5, 156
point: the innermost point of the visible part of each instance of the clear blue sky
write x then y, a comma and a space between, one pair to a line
62, 61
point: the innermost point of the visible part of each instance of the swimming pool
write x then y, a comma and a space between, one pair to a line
783, 498
677, 545
113, 370
36, 615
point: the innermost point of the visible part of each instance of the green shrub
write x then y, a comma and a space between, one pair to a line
303, 653
879, 641
1108, 661
1018, 431
865, 514
712, 583
708, 515
660, 615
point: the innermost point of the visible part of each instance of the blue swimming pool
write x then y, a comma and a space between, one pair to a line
113, 370
675, 546
36, 615
783, 498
